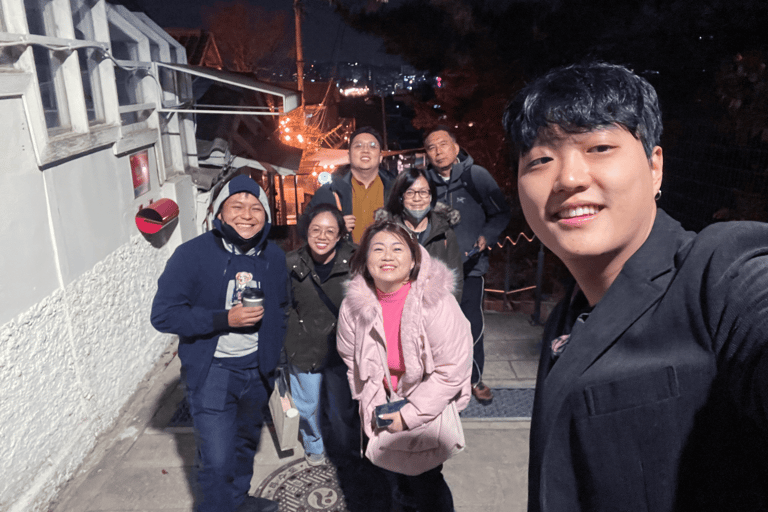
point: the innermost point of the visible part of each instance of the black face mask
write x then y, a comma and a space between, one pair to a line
232, 236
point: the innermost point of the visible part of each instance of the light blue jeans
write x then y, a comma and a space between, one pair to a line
305, 389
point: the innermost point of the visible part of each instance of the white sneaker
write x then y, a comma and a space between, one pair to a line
315, 459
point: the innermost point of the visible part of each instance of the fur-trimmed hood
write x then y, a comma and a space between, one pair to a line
439, 240
434, 282
451, 216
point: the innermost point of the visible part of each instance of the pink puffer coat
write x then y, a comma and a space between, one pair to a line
437, 350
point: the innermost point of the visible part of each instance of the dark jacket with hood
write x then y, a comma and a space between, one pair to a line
441, 242
341, 184
310, 342
483, 207
200, 284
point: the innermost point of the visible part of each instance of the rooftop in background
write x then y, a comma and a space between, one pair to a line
200, 46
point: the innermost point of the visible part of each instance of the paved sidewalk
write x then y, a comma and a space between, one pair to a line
141, 465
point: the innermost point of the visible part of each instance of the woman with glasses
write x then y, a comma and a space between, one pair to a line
318, 271
413, 203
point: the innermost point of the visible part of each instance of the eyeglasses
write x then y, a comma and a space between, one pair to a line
316, 231
360, 145
424, 194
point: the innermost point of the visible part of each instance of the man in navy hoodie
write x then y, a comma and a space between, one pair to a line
228, 352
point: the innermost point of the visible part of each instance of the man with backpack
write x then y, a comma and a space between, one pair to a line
472, 191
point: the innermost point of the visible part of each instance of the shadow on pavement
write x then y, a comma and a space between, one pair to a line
184, 436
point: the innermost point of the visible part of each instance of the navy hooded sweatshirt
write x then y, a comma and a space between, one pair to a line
200, 284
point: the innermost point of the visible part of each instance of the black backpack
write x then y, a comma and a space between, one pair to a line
469, 185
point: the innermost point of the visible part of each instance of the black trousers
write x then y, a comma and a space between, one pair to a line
472, 307
427, 492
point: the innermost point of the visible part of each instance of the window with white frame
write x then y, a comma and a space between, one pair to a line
50, 66
176, 129
159, 51
57, 50
131, 53
127, 76
86, 70
88, 58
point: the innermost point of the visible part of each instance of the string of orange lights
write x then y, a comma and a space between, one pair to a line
516, 240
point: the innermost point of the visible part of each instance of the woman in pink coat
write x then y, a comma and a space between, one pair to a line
400, 307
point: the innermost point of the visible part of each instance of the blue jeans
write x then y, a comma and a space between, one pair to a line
472, 307
226, 411
326, 392
427, 492
305, 390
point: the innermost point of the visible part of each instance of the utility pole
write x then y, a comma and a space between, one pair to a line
299, 50
384, 122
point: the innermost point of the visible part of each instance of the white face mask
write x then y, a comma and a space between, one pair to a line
417, 215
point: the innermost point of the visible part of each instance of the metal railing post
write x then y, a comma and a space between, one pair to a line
507, 277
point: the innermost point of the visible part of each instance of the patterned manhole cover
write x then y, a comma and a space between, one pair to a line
299, 487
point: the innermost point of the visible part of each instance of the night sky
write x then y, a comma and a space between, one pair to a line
322, 29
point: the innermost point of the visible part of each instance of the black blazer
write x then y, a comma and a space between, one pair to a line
659, 401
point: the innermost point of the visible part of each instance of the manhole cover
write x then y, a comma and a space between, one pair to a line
299, 487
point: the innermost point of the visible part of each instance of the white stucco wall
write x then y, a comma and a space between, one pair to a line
76, 277
67, 366
77, 285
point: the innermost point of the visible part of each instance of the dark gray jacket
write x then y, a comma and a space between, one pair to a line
310, 340
484, 210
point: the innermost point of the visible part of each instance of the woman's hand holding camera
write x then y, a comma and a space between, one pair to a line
397, 425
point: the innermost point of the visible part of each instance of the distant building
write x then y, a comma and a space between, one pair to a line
200, 46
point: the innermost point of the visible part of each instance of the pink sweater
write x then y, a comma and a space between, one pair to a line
392, 310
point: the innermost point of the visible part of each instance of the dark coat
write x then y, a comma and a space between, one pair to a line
199, 286
342, 185
441, 242
192, 293
310, 341
659, 401
483, 207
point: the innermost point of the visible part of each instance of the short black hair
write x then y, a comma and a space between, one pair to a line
583, 97
306, 219
441, 128
368, 130
402, 183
